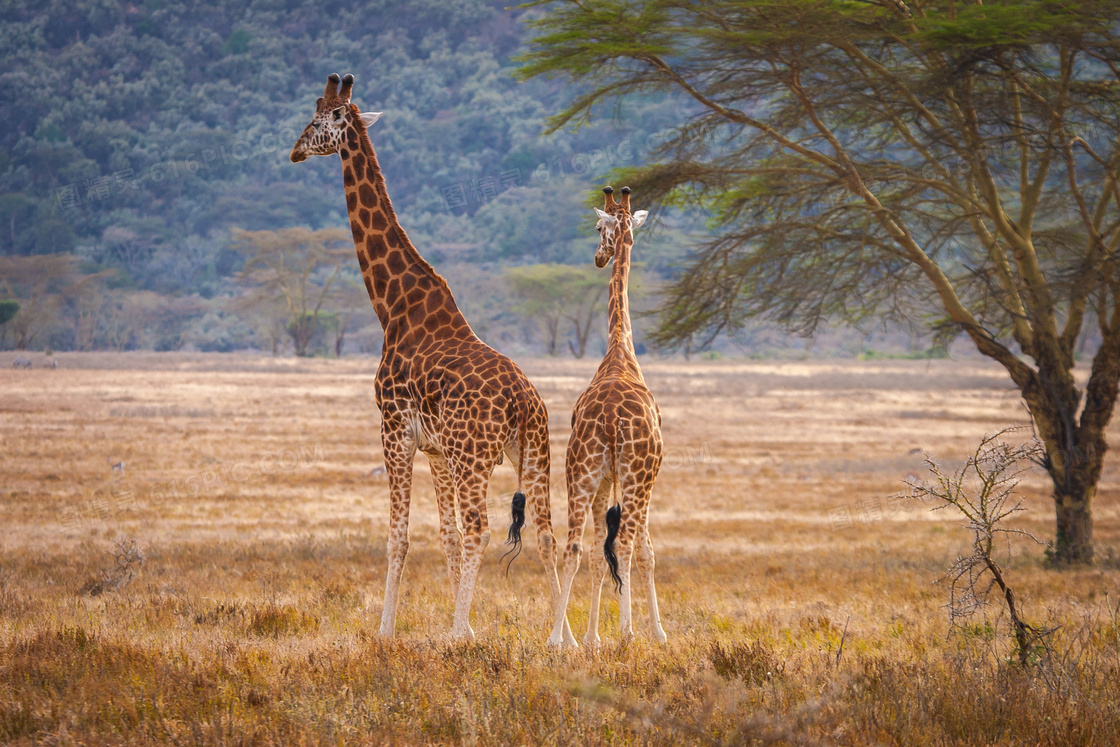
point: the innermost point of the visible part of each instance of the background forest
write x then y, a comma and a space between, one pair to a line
147, 200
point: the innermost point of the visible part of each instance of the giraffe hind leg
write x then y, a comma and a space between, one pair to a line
450, 537
580, 495
625, 544
597, 561
535, 480
471, 489
632, 539
645, 564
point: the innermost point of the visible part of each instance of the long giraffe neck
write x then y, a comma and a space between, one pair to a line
620, 340
405, 290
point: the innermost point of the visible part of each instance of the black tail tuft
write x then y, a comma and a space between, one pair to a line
614, 521
517, 520
517, 516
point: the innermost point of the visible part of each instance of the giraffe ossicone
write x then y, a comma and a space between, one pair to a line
440, 389
615, 448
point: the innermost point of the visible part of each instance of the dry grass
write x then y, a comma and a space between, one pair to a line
250, 613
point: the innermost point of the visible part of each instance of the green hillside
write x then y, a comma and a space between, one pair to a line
138, 135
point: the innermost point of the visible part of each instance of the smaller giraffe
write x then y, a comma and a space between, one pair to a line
615, 445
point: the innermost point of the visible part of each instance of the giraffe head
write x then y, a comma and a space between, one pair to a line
616, 225
334, 115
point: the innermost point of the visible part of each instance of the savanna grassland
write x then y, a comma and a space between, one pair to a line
225, 586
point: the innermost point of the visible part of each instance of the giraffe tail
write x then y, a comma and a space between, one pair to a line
517, 505
614, 521
614, 516
517, 521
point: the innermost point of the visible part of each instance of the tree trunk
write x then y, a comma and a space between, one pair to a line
340, 336
300, 330
551, 327
583, 332
1073, 538
1075, 470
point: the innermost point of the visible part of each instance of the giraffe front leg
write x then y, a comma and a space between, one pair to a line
399, 449
470, 484
450, 538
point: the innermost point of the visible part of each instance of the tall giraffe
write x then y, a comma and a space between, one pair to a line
615, 444
440, 389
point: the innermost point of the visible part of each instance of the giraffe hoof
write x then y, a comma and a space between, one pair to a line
592, 641
559, 641
659, 636
462, 635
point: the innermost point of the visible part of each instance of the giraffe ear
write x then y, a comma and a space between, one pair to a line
605, 216
638, 219
368, 118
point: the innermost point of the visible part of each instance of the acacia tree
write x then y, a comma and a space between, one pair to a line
539, 298
551, 293
586, 290
297, 265
349, 297
38, 283
266, 315
950, 163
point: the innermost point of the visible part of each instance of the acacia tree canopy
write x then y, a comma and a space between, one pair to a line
943, 163
299, 266
551, 293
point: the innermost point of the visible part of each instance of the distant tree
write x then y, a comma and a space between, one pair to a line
550, 294
299, 266
347, 299
587, 294
124, 315
8, 309
82, 304
265, 313
540, 298
37, 283
14, 210
126, 247
950, 163
171, 322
